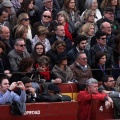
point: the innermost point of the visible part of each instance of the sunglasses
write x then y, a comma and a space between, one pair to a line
22, 45
46, 16
25, 19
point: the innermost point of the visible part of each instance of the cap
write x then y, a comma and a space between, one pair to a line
7, 4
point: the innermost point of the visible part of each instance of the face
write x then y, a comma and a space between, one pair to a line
102, 41
39, 49
114, 2
48, 4
42, 67
109, 16
102, 60
20, 46
25, 34
110, 83
71, 5
91, 18
61, 19
107, 28
28, 86
82, 60
91, 31
64, 62
82, 45
9, 9
30, 6
60, 31
94, 5
42, 37
93, 88
4, 17
25, 21
60, 49
46, 17
4, 85
1, 51
5, 33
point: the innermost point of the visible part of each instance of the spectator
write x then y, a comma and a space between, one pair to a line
99, 68
60, 35
39, 50
16, 55
79, 47
81, 71
6, 91
41, 37
117, 85
57, 47
70, 8
5, 38
85, 97
61, 70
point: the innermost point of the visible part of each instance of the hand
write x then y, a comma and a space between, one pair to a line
107, 104
7, 72
32, 90
13, 85
57, 80
111, 101
20, 85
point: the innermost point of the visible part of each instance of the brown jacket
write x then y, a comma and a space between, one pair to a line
79, 74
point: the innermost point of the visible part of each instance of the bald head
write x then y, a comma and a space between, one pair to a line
5, 32
106, 27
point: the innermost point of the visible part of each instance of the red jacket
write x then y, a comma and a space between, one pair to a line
84, 100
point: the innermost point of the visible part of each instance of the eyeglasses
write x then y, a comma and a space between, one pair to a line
111, 81
25, 19
46, 16
110, 13
22, 45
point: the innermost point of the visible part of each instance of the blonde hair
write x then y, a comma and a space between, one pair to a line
41, 30
85, 28
117, 85
20, 17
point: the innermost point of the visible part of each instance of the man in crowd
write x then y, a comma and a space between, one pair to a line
79, 47
60, 35
6, 91
16, 55
85, 97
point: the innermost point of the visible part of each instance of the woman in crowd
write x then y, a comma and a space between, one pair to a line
41, 37
4, 62
99, 68
61, 70
63, 18
70, 7
92, 4
58, 47
117, 85
88, 30
23, 19
38, 51
28, 6
21, 32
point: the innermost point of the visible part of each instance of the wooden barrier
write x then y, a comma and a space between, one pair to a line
43, 111
99, 112
69, 89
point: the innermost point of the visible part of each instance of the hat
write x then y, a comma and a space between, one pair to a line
108, 9
61, 56
54, 88
7, 4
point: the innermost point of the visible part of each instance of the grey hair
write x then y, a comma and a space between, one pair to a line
88, 4
91, 81
79, 54
17, 40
